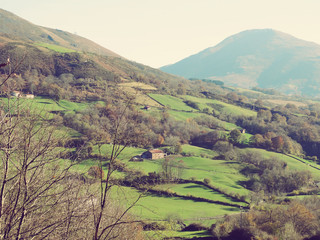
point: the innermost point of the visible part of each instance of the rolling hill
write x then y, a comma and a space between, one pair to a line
13, 25
264, 58
55, 52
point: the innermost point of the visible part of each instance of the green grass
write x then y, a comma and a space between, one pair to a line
192, 189
126, 154
182, 112
308, 162
151, 207
146, 166
198, 151
222, 107
39, 104
171, 102
73, 106
224, 175
159, 235
184, 116
45, 105
55, 48
293, 164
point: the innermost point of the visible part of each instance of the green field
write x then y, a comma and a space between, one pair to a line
220, 107
222, 174
45, 105
159, 235
293, 164
171, 102
192, 189
197, 151
151, 207
55, 48
125, 155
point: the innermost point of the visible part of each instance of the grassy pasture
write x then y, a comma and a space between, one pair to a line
75, 106
222, 174
55, 48
293, 164
151, 207
184, 116
182, 112
39, 104
197, 190
308, 162
159, 235
222, 107
171, 102
139, 96
125, 155
197, 151
46, 105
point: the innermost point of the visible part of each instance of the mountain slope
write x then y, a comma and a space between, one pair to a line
15, 26
264, 58
47, 52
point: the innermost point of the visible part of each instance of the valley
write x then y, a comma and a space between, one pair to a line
95, 146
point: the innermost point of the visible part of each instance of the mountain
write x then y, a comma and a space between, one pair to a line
52, 52
15, 26
264, 58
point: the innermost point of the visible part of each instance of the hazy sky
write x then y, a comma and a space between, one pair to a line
160, 32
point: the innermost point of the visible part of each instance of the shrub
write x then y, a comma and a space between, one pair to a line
192, 104
153, 226
207, 181
96, 172
194, 227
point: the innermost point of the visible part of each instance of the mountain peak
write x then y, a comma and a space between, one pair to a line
259, 57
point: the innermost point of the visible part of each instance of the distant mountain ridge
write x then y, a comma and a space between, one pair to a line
263, 57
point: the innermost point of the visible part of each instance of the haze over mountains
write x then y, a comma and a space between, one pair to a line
265, 58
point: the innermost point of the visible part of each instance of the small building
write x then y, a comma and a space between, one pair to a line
153, 154
16, 94
28, 95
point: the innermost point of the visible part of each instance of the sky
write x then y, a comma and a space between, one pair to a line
162, 32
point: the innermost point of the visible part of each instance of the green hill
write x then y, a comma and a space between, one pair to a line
13, 25
45, 52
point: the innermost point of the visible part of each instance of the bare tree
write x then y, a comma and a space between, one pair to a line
30, 189
39, 197
123, 130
